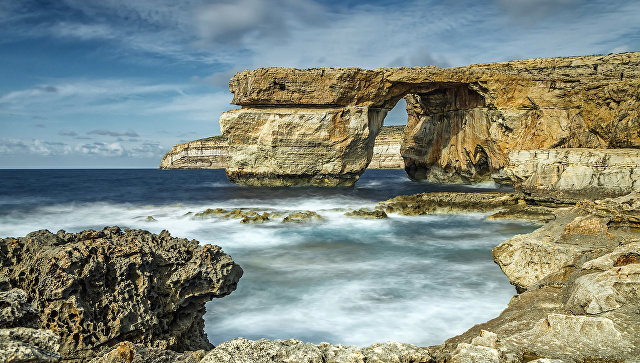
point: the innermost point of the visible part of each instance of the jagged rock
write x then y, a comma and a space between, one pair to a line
15, 311
367, 213
302, 217
576, 172
20, 340
579, 284
29, 345
257, 218
209, 153
127, 352
317, 126
263, 350
98, 288
446, 202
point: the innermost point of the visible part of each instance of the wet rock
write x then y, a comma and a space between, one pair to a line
302, 217
367, 213
257, 218
98, 288
446, 202
211, 213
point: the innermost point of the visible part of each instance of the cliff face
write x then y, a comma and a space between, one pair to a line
209, 153
213, 153
317, 125
386, 151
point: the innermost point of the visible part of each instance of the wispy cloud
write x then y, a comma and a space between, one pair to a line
114, 133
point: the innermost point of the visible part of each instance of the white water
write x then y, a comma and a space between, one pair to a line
417, 280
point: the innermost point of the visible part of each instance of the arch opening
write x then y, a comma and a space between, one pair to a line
447, 136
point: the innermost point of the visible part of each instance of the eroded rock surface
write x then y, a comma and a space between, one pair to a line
317, 126
579, 283
263, 351
594, 173
95, 289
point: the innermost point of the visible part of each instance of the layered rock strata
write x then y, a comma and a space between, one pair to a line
579, 283
95, 289
317, 126
209, 153
566, 173
212, 152
386, 151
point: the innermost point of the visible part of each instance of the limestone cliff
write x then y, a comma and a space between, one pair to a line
209, 153
212, 152
386, 151
317, 126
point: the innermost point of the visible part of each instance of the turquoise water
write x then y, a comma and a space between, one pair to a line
417, 280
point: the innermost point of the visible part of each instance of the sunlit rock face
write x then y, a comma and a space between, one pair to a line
300, 146
317, 126
209, 153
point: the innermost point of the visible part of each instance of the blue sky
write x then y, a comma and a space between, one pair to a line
115, 83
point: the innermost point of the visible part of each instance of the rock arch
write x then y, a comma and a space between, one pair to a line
318, 126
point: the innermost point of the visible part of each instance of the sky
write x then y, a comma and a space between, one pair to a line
116, 83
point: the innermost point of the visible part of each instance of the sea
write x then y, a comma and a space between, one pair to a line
341, 280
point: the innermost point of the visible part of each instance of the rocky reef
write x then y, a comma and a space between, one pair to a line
94, 289
318, 126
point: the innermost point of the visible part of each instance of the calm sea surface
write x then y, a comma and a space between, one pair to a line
417, 280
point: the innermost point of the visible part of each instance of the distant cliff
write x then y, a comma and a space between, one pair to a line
386, 151
209, 153
212, 152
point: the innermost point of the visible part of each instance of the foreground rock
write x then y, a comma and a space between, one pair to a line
318, 126
95, 289
20, 340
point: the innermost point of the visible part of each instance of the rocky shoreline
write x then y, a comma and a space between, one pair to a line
133, 296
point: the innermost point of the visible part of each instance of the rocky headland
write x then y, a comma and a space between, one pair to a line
465, 124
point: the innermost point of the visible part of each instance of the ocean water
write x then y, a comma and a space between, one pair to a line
417, 280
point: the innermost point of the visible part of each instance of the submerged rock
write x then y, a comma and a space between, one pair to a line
367, 213
302, 217
98, 288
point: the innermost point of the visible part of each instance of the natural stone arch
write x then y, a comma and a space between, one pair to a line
318, 126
